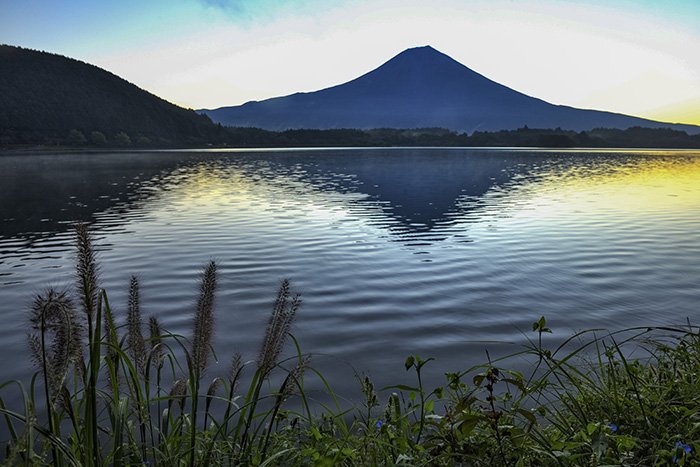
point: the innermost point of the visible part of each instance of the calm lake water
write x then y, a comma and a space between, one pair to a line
440, 252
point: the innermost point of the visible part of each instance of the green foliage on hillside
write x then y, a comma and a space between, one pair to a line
381, 137
44, 97
524, 137
635, 137
51, 100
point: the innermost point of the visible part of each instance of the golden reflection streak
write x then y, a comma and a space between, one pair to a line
215, 186
649, 186
636, 188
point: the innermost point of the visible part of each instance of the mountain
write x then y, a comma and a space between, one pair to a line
419, 88
44, 96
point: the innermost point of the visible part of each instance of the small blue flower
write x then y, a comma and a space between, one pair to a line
686, 450
612, 427
379, 423
685, 447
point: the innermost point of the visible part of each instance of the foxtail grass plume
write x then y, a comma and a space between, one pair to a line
369, 392
87, 272
214, 387
178, 393
134, 326
235, 373
112, 339
204, 318
56, 342
278, 327
292, 383
157, 353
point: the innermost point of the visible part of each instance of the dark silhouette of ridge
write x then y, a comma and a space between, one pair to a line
44, 96
419, 88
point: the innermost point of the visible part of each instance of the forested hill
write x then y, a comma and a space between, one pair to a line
51, 100
44, 96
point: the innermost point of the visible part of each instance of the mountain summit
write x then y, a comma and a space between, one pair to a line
421, 87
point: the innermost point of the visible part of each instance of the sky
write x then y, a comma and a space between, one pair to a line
638, 57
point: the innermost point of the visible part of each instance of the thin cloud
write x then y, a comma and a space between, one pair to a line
237, 6
269, 9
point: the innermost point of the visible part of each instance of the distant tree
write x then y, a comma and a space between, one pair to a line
555, 141
122, 139
143, 141
8, 137
75, 138
98, 138
52, 141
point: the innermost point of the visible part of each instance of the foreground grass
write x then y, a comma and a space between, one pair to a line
108, 395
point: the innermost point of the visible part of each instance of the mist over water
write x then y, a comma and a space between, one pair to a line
440, 252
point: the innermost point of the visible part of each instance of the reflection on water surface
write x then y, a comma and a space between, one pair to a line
396, 251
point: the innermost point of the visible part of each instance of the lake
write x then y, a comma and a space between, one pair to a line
439, 252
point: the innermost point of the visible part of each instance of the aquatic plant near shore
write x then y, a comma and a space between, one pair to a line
55, 342
127, 422
283, 314
131, 400
134, 324
204, 319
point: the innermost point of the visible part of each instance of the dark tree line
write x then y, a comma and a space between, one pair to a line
385, 137
51, 100
524, 137
635, 137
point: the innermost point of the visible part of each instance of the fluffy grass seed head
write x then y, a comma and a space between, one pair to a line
55, 342
283, 313
87, 271
134, 325
204, 318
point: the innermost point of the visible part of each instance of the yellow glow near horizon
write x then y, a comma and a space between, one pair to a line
579, 55
644, 189
630, 56
688, 112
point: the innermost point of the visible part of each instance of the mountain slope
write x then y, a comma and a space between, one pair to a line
44, 95
421, 87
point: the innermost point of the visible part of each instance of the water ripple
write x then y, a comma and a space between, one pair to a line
437, 252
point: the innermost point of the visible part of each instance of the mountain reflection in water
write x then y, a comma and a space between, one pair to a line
417, 195
440, 252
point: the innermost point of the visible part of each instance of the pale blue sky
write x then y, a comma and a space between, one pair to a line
637, 57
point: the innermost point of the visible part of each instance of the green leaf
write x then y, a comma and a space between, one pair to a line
422, 362
409, 362
515, 382
591, 428
468, 423
401, 387
528, 415
465, 403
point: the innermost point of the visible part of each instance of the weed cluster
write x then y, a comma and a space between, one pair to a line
108, 395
